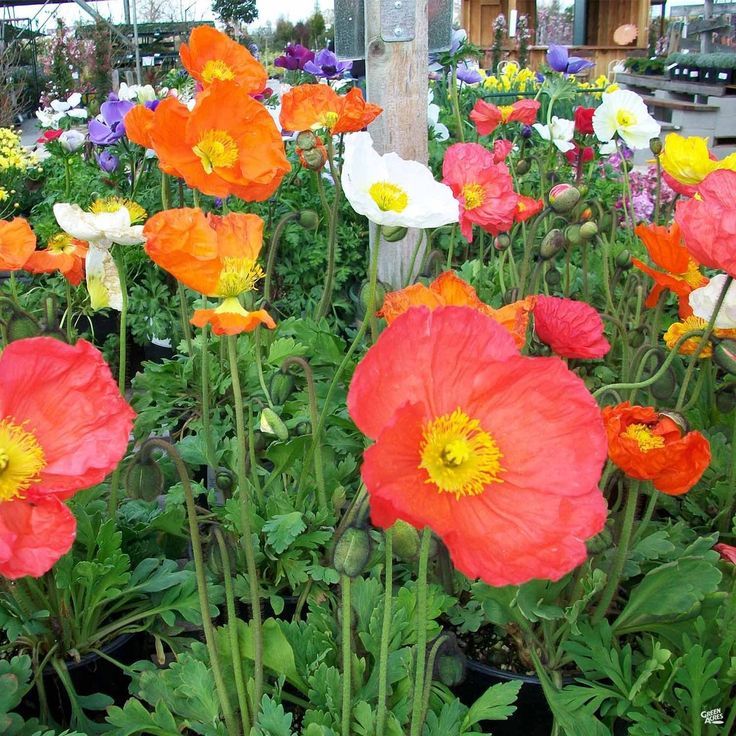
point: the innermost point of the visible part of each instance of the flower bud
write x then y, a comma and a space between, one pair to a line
601, 541
20, 326
588, 230
309, 219
724, 356
259, 441
224, 480
523, 166
282, 384
271, 424
655, 146
352, 551
405, 540
306, 140
553, 277
572, 234
501, 242
664, 387
726, 398
563, 197
303, 428
449, 666
623, 260
585, 213
583, 189
678, 419
144, 479
313, 158
553, 243
393, 233
364, 296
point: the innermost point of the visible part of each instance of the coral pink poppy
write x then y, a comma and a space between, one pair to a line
498, 453
708, 222
487, 117
572, 329
527, 207
484, 189
501, 148
726, 551
64, 427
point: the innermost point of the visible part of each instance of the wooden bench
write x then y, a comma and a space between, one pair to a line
668, 104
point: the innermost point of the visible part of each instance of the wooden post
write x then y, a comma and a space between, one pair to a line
706, 38
396, 79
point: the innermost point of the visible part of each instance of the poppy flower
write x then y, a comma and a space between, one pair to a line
216, 256
318, 106
703, 302
502, 147
64, 254
483, 188
708, 222
623, 113
139, 124
651, 446
49, 135
686, 161
583, 117
389, 190
449, 290
676, 330
478, 445
228, 143
46, 456
17, 242
211, 56
681, 273
572, 329
580, 155
726, 551
560, 131
527, 207
487, 116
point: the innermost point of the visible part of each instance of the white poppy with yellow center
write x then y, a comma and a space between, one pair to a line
623, 112
389, 190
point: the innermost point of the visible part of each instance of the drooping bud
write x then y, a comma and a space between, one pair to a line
313, 158
272, 424
364, 296
501, 242
20, 326
259, 441
405, 540
449, 666
393, 233
553, 277
144, 479
588, 230
352, 551
724, 356
282, 384
552, 244
623, 260
309, 219
563, 197
655, 146
572, 234
224, 480
601, 541
523, 166
307, 140
664, 387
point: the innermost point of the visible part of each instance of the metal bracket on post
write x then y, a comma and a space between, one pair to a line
398, 20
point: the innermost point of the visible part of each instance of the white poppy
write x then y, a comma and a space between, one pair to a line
48, 118
703, 302
136, 92
623, 112
560, 131
103, 280
607, 149
438, 130
99, 228
391, 191
71, 140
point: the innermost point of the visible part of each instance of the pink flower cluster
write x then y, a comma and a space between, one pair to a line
644, 193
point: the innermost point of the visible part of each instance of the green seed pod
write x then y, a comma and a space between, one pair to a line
271, 424
352, 551
405, 540
655, 146
553, 277
393, 233
724, 356
501, 242
20, 326
523, 166
224, 480
572, 234
623, 260
588, 230
380, 296
144, 480
282, 385
306, 140
309, 219
601, 541
553, 243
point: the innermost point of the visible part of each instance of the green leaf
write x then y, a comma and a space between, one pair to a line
496, 704
282, 348
134, 719
281, 530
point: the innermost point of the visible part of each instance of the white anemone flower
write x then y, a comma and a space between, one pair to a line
560, 131
136, 92
703, 302
72, 140
48, 118
69, 107
389, 190
607, 149
438, 130
624, 113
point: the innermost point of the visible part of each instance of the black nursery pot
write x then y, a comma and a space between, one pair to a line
92, 674
532, 717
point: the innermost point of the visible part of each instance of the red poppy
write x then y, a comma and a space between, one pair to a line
651, 446
479, 446
487, 117
17, 242
572, 329
49, 135
484, 189
64, 254
726, 551
212, 56
681, 273
47, 456
583, 117
573, 155
527, 207
708, 222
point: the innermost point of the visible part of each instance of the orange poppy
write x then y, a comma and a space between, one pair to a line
64, 426
228, 144
216, 256
315, 106
212, 56
676, 330
651, 446
449, 289
139, 124
681, 273
63, 253
17, 242
473, 440
527, 207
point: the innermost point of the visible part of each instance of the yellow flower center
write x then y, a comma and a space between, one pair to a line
389, 197
506, 111
624, 119
474, 196
644, 437
458, 455
237, 276
60, 243
327, 120
113, 204
216, 148
216, 69
693, 276
21, 460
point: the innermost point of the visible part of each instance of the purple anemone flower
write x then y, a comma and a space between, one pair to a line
295, 56
107, 161
559, 59
108, 127
327, 65
468, 74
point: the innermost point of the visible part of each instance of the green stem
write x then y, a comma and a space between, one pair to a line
647, 516
278, 231
421, 623
333, 217
622, 551
451, 248
725, 524
69, 302
528, 248
455, 101
184, 316
412, 263
250, 560
347, 650
204, 356
381, 711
